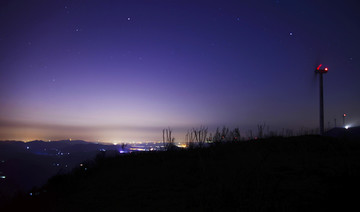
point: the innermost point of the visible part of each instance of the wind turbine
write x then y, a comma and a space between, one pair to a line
320, 72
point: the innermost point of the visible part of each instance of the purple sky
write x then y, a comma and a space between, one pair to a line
124, 70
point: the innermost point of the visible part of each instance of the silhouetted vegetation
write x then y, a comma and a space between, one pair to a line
168, 139
196, 137
304, 173
261, 128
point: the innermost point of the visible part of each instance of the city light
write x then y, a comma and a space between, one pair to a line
347, 127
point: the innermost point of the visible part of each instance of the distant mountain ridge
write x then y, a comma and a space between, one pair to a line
352, 133
24, 165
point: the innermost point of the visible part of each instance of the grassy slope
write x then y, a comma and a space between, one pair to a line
278, 174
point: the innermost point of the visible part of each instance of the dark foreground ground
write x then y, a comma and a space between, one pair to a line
279, 174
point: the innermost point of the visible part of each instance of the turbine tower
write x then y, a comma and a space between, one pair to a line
321, 72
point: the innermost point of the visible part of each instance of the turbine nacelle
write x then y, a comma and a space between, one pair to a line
321, 71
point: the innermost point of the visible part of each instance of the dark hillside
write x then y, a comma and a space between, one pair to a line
24, 165
276, 174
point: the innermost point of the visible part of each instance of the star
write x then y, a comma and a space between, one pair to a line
128, 19
290, 33
67, 9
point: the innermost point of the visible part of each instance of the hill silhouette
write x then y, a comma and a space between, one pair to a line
352, 133
30, 164
304, 173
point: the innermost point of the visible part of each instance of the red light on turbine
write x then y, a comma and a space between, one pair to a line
326, 69
344, 114
318, 68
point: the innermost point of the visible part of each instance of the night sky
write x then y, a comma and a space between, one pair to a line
120, 71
